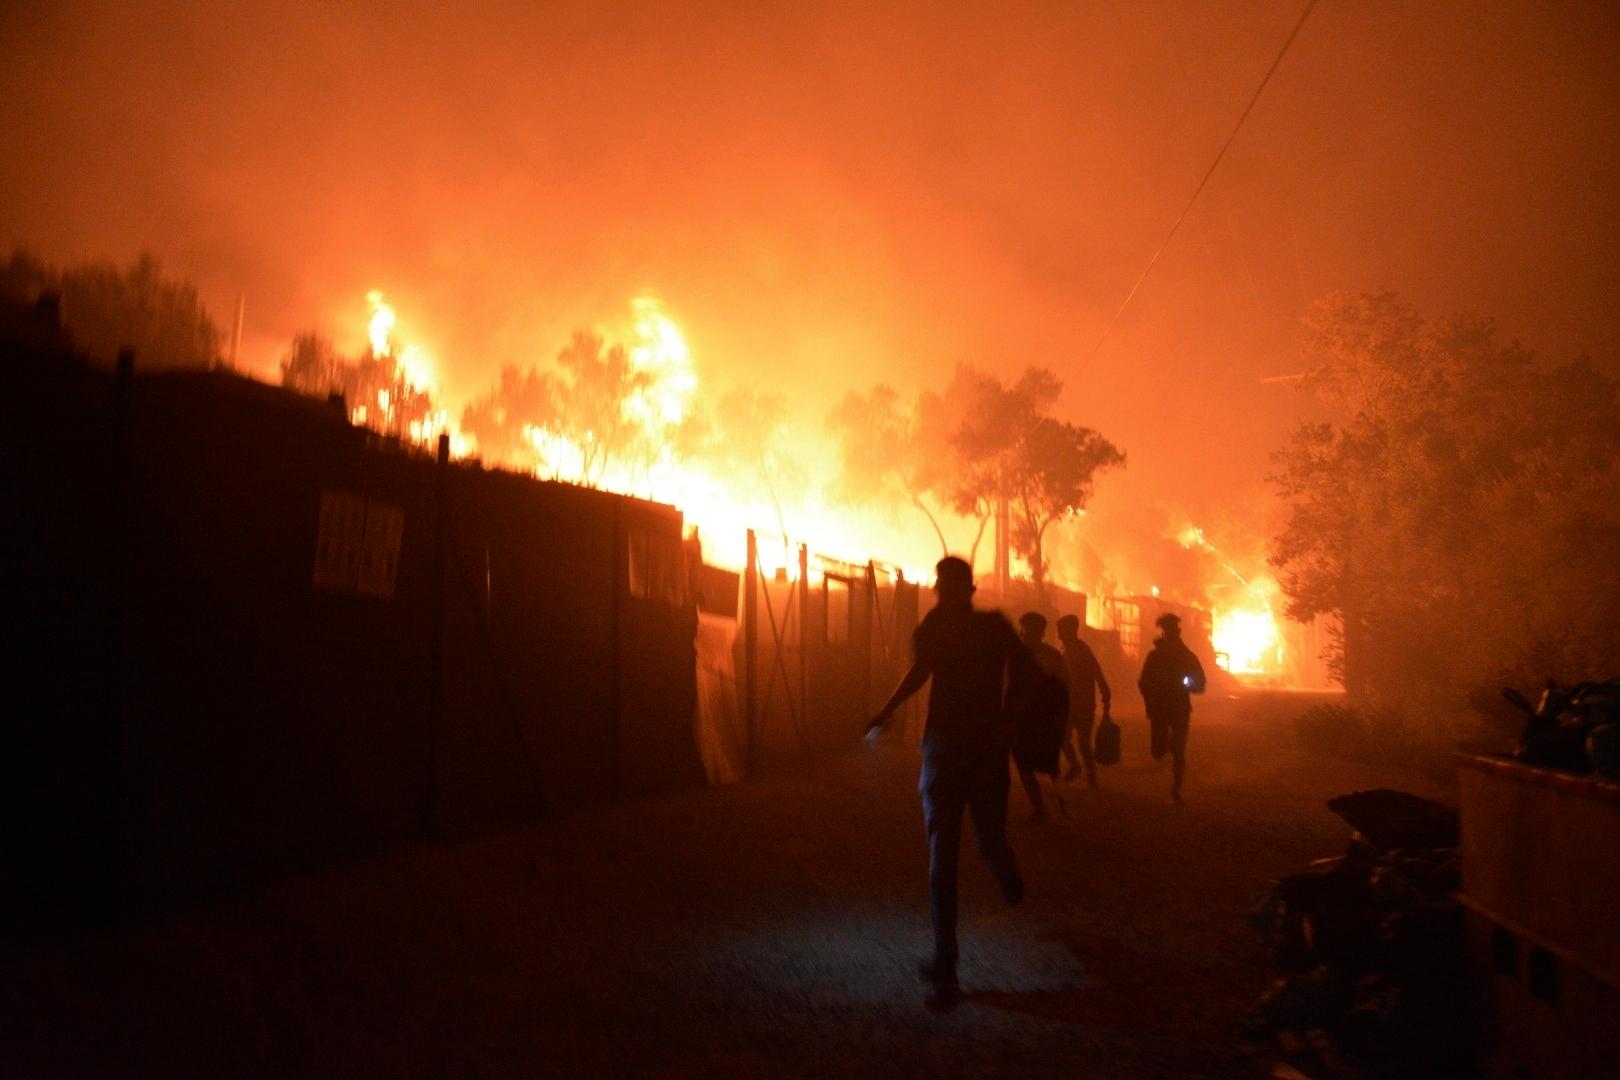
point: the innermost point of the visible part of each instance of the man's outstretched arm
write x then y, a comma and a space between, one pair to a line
909, 684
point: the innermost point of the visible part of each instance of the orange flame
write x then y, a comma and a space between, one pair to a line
414, 378
381, 327
722, 508
1244, 626
711, 501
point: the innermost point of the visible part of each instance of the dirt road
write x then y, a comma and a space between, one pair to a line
766, 929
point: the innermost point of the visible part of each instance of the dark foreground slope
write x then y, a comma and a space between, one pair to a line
765, 929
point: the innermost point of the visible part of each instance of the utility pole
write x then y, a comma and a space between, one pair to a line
1003, 549
236, 335
804, 635
435, 696
751, 588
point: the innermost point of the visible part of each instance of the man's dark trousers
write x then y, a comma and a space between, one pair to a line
956, 779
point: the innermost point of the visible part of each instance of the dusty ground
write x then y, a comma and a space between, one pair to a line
767, 929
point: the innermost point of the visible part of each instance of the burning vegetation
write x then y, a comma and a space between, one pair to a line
908, 476
388, 387
1448, 470
912, 476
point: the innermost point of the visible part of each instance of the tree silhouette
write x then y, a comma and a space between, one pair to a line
1050, 474
742, 441
312, 366
1459, 512
501, 418
106, 308
588, 419
599, 381
375, 387
1009, 446
968, 447
893, 451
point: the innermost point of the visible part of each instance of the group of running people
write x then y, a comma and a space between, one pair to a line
972, 657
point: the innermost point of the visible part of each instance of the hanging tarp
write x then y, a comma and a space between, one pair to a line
721, 740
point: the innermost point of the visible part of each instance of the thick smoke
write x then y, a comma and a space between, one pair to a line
824, 198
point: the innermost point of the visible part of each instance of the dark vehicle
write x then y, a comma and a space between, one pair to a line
1571, 727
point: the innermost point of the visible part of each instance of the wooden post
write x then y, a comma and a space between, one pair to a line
620, 588
751, 648
435, 719
236, 334
1003, 549
121, 778
874, 619
805, 714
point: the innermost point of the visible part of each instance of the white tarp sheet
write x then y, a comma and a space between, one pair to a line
720, 737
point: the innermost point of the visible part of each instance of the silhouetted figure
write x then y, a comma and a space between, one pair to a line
1044, 705
970, 656
1170, 675
1086, 678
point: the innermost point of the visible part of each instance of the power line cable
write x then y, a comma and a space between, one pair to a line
1109, 329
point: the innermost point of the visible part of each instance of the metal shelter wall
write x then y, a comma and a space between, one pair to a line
823, 639
290, 642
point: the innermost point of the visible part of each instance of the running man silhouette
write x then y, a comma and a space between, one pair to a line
1171, 674
971, 656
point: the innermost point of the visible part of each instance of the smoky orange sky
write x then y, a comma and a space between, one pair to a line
827, 195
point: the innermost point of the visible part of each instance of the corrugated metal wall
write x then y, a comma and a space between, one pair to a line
203, 702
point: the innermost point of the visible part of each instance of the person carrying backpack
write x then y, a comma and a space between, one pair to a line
1086, 680
1041, 725
1171, 674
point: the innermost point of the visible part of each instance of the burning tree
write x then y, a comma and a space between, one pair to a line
1011, 448
607, 414
1460, 512
593, 416
313, 367
502, 417
977, 444
895, 451
743, 441
584, 422
1050, 475
377, 386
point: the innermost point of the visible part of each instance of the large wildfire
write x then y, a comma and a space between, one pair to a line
634, 416
1244, 624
